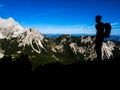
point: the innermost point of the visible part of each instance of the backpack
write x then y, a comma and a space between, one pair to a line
108, 28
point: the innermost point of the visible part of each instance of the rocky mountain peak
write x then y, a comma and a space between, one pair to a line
9, 29
31, 36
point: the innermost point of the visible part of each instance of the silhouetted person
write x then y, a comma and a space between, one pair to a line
99, 37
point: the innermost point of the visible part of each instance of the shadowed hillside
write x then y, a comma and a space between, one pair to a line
21, 70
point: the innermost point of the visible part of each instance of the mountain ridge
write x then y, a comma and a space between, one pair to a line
9, 28
15, 40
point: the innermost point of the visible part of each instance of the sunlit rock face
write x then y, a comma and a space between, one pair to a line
107, 49
10, 29
29, 37
84, 45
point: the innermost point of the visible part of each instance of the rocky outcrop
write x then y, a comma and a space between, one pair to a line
9, 29
84, 45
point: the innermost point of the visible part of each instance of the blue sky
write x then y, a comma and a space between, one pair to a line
62, 16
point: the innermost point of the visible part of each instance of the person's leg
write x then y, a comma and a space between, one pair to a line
99, 55
98, 50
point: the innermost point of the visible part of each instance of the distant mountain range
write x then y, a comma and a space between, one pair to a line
112, 37
46, 48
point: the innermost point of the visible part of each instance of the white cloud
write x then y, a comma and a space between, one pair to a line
2, 8
115, 23
72, 29
115, 28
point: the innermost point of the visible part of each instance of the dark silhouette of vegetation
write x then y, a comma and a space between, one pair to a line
21, 70
17, 70
22, 64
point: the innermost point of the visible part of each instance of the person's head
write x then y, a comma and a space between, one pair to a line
98, 18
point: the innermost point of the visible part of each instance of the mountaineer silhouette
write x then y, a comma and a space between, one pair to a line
103, 31
99, 37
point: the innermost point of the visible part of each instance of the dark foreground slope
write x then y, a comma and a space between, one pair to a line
20, 70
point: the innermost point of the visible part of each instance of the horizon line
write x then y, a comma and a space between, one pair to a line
78, 34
